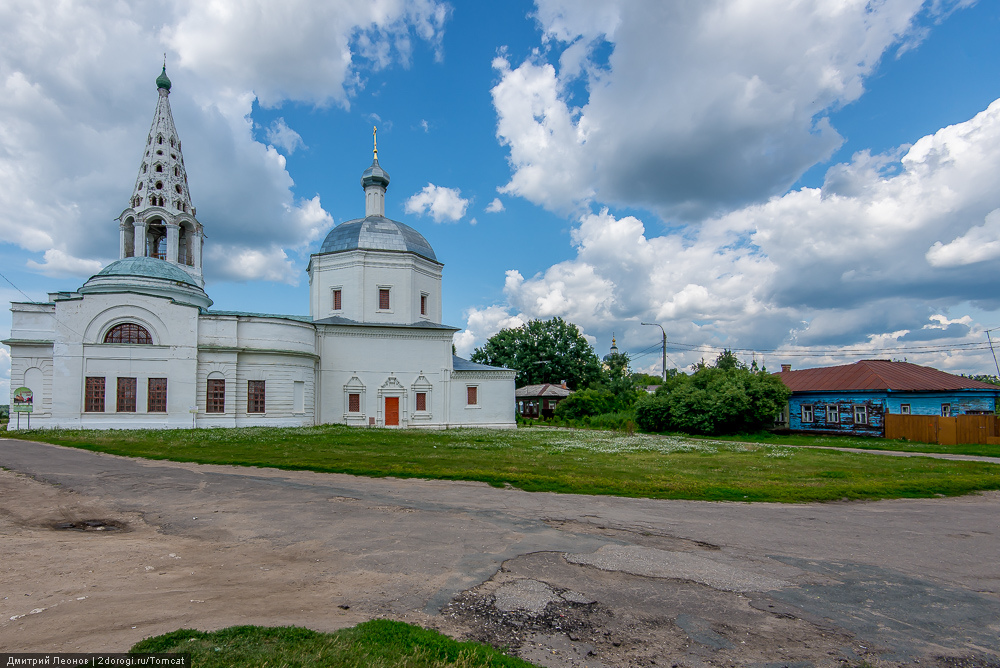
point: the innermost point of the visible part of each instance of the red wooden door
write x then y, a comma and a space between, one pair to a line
392, 411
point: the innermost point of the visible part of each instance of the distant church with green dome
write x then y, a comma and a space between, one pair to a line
139, 346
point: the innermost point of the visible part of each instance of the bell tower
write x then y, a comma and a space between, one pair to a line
160, 221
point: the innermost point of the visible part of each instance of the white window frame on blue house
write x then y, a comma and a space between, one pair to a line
832, 413
808, 415
860, 415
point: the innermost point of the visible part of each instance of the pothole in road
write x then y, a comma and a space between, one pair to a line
89, 525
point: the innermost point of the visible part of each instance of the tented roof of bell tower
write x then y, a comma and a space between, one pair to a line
162, 180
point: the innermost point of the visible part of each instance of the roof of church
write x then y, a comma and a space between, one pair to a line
163, 81
377, 233
423, 324
462, 364
162, 179
375, 175
252, 314
147, 267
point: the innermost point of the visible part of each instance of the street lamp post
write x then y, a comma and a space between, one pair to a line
654, 324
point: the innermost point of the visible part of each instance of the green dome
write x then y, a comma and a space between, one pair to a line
163, 81
147, 267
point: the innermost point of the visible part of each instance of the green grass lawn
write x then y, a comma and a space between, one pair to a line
867, 443
556, 460
379, 643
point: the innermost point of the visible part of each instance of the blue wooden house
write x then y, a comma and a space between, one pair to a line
854, 398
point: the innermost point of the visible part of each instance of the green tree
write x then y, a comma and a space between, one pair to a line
543, 351
724, 398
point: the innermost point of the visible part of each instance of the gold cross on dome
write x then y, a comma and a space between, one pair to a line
375, 140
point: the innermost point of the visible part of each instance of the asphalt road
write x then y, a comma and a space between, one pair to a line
561, 579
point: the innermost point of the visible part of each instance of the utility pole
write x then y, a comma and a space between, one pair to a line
654, 324
991, 349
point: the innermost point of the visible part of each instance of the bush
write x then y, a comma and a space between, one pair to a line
726, 398
584, 403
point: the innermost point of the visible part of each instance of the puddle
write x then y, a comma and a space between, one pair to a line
89, 525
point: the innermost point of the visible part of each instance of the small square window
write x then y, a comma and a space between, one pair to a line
421, 401
860, 415
473, 395
945, 410
807, 413
353, 403
383, 299
336, 300
904, 409
255, 396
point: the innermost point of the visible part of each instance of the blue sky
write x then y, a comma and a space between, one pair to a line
813, 181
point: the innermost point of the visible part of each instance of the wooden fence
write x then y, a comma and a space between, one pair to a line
944, 430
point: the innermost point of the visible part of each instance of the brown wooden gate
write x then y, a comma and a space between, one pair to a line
943, 430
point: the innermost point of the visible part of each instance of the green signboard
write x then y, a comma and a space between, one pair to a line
23, 401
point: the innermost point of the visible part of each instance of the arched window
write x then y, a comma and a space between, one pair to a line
159, 167
128, 332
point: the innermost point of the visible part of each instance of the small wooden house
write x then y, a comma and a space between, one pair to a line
540, 401
854, 398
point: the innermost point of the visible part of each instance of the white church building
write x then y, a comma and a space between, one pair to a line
138, 346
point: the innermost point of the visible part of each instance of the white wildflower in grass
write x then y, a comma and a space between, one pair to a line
780, 452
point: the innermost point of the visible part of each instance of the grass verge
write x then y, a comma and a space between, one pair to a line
557, 460
867, 443
380, 643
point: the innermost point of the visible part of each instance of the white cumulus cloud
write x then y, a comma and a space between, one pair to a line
979, 244
59, 263
481, 324
496, 206
442, 204
845, 264
700, 108
280, 135
253, 264
77, 96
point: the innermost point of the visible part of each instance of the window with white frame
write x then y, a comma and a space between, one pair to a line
946, 410
832, 413
807, 413
904, 409
860, 415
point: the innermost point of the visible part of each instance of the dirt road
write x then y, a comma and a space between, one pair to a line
564, 580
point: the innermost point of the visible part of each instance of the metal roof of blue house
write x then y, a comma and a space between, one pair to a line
878, 375
377, 233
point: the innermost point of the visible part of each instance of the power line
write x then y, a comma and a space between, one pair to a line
20, 290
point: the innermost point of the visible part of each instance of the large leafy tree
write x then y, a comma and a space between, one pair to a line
543, 351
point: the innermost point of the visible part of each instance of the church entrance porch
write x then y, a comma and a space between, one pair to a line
392, 411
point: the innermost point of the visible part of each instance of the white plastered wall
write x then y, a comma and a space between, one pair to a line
359, 274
